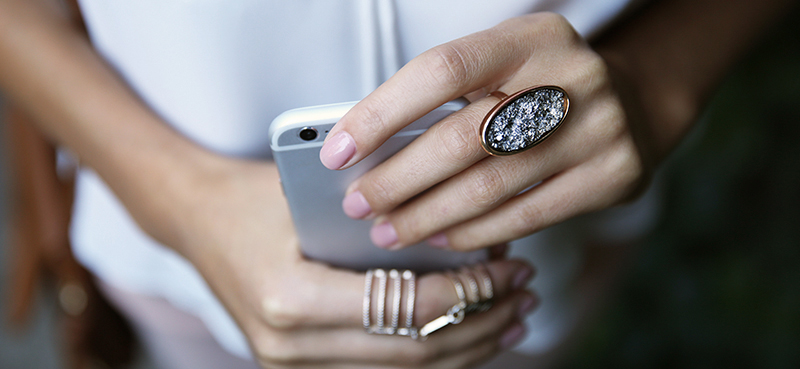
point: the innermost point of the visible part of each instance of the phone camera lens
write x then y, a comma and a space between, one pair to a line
308, 134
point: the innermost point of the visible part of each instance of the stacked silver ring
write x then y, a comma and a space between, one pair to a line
479, 299
398, 278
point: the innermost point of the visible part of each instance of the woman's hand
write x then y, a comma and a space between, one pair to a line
228, 216
238, 233
444, 187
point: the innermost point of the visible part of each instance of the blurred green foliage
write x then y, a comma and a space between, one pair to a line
718, 283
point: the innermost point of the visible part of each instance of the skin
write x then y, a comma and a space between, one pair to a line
634, 96
228, 218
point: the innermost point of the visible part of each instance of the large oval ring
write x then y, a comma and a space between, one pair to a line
523, 120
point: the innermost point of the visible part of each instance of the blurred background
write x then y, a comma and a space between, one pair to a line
716, 285
36, 346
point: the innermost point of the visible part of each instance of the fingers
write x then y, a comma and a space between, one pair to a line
445, 348
321, 296
481, 61
487, 326
437, 76
449, 154
323, 326
559, 198
436, 293
444, 150
461, 191
450, 191
471, 193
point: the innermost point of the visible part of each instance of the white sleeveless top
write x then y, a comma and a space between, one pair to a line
219, 71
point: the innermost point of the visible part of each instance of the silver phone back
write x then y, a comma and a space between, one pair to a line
315, 194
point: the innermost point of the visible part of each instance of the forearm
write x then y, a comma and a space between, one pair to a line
48, 67
674, 53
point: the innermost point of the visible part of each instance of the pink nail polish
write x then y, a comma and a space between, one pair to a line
438, 241
338, 150
512, 336
522, 278
383, 235
355, 205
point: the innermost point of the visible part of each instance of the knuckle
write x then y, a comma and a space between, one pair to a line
595, 72
516, 23
591, 72
380, 192
281, 312
611, 124
628, 171
485, 187
528, 218
448, 65
411, 229
373, 117
546, 28
557, 26
596, 65
624, 163
433, 305
456, 144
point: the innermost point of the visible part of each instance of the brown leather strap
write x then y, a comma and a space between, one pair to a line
40, 211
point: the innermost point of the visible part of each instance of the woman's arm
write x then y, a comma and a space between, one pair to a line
48, 67
673, 54
632, 101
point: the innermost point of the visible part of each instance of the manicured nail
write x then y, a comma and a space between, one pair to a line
438, 241
526, 306
355, 205
338, 150
512, 336
522, 278
383, 235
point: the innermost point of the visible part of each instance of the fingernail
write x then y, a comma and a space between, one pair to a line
438, 241
355, 205
512, 336
526, 306
522, 278
337, 151
383, 235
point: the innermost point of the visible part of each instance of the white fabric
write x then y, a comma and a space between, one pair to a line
172, 338
220, 70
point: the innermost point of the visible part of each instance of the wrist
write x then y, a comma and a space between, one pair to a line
662, 107
216, 200
155, 177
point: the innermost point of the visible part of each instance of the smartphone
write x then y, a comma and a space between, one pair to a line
315, 193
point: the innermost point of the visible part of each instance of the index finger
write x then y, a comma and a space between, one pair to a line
437, 76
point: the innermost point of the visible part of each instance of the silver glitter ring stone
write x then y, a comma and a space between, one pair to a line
523, 120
